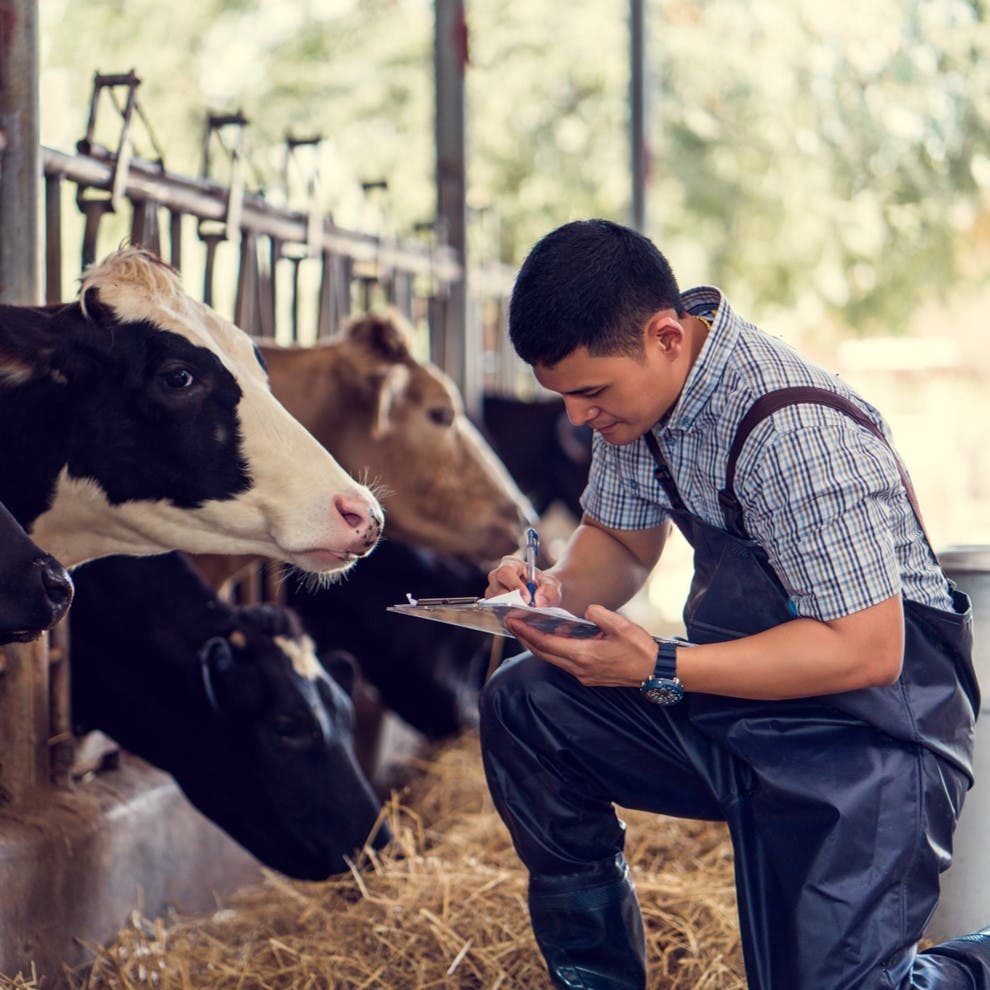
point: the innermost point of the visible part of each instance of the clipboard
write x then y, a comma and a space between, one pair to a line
488, 615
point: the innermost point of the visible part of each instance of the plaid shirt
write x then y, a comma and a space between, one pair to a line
820, 494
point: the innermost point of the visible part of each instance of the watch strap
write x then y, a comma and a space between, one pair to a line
666, 665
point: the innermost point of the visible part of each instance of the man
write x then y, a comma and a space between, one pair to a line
826, 712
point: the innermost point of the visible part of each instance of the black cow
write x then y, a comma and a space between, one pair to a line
35, 589
137, 420
231, 701
427, 673
547, 456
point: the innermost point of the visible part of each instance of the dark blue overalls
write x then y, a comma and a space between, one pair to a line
841, 808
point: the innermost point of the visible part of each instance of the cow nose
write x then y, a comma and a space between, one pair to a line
355, 511
57, 583
362, 517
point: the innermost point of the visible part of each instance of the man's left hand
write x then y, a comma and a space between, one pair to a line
622, 655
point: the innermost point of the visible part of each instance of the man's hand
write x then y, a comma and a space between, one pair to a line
510, 574
622, 655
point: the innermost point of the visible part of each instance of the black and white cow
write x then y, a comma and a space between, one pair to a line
35, 589
427, 673
138, 420
231, 701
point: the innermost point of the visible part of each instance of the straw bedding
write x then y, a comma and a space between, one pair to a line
443, 907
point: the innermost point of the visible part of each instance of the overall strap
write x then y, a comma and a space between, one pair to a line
772, 402
662, 473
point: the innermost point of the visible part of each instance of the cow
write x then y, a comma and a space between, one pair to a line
546, 454
138, 420
229, 700
426, 673
398, 422
35, 589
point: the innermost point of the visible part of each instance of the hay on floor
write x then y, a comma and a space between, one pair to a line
443, 907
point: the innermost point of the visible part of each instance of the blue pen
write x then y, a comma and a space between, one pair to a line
532, 549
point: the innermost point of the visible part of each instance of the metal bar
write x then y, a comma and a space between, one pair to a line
20, 265
324, 323
268, 290
93, 210
53, 239
24, 716
144, 225
175, 238
211, 242
639, 152
246, 302
208, 200
61, 742
450, 60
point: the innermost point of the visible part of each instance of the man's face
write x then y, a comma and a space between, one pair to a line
620, 396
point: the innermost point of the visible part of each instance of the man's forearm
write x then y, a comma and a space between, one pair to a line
802, 658
598, 569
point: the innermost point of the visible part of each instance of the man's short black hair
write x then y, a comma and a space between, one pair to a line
590, 283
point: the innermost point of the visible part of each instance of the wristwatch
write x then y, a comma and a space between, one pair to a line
662, 687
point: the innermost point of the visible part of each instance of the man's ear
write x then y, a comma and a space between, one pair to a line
666, 331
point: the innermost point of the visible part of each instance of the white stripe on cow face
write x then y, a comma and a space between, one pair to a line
302, 655
301, 505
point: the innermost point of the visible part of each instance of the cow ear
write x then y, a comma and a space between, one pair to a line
27, 344
342, 667
82, 338
389, 386
230, 687
387, 335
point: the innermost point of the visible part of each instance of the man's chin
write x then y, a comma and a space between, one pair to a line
619, 434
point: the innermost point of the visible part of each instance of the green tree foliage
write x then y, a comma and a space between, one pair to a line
825, 158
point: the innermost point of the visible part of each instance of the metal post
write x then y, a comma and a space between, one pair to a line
450, 60
639, 151
20, 161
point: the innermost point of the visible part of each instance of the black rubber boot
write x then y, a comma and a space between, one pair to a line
589, 928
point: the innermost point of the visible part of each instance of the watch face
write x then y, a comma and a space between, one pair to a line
662, 691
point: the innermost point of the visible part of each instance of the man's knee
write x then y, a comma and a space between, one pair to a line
519, 694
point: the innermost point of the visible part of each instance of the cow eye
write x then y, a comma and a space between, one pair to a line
442, 415
178, 379
295, 730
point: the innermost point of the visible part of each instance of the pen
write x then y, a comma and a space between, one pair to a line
532, 549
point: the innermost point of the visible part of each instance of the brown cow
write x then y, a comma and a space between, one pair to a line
398, 424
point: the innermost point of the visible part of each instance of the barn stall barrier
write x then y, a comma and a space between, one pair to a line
965, 885
83, 843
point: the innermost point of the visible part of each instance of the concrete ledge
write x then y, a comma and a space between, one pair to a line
73, 869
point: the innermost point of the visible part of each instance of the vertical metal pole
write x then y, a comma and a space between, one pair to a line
639, 151
53, 238
462, 344
20, 161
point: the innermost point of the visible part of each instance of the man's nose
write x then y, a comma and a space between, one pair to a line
580, 411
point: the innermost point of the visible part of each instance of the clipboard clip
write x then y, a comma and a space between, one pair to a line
467, 600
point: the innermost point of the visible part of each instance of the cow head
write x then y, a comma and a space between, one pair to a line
296, 796
35, 589
160, 432
400, 422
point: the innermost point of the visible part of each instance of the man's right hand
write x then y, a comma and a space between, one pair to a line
510, 574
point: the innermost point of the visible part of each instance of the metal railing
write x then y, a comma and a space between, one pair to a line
356, 271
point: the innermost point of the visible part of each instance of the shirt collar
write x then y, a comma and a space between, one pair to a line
706, 372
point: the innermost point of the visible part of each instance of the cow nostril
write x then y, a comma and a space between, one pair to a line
56, 582
353, 512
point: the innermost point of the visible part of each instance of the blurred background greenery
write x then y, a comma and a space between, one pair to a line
828, 165
828, 156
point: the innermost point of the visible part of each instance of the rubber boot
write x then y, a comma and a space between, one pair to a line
589, 928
